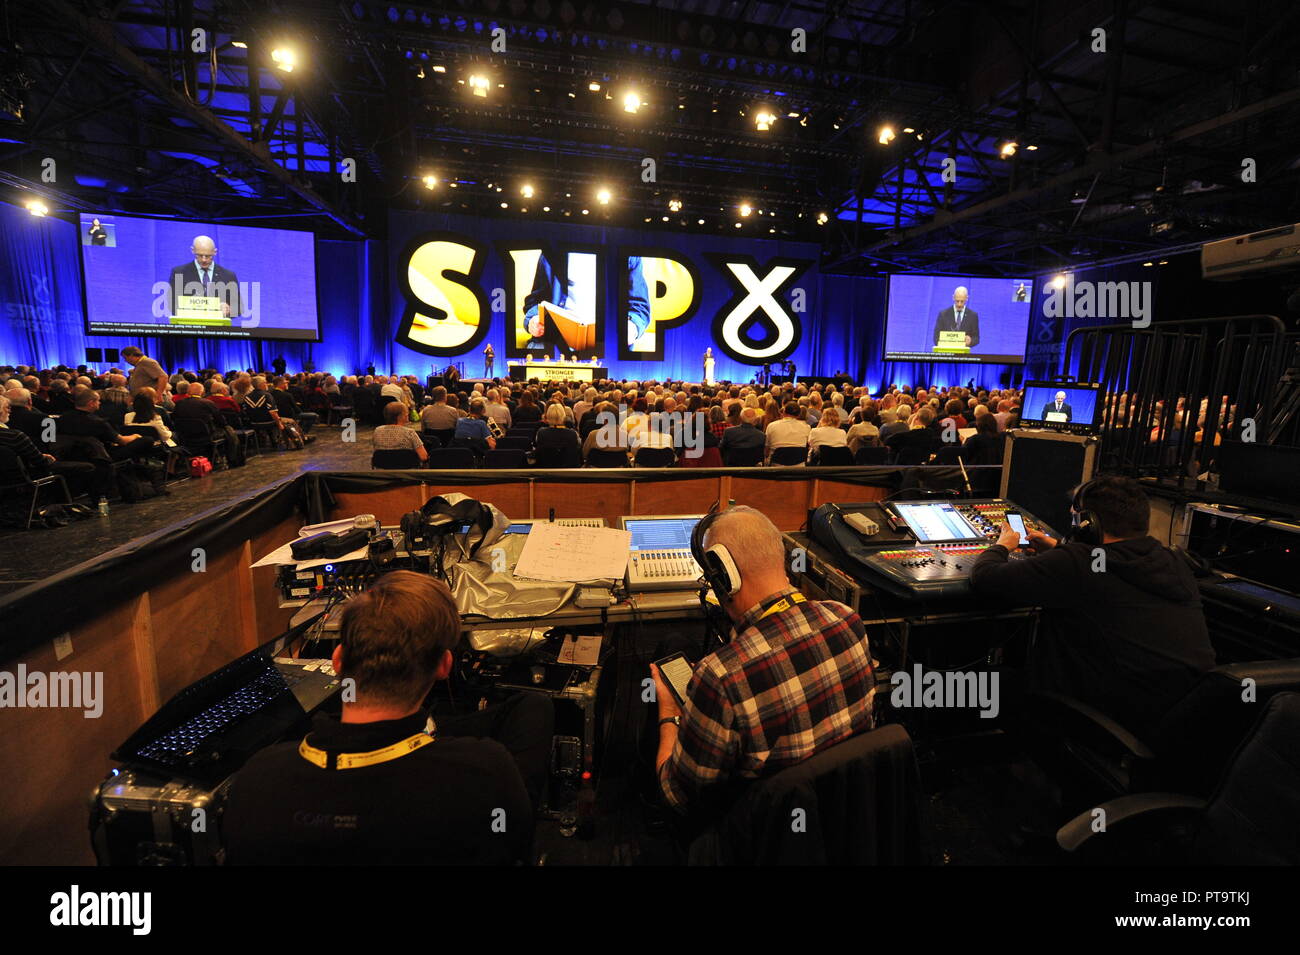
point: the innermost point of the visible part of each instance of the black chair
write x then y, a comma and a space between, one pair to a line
508, 458
429, 440
381, 403
337, 413
654, 458
869, 456
834, 457
1093, 758
452, 459
569, 457
514, 444
859, 803
201, 441
363, 402
948, 454
395, 459
742, 457
789, 457
243, 431
1249, 820
14, 477
444, 435
160, 451
607, 458
265, 427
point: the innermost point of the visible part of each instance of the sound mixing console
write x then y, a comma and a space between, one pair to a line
660, 556
934, 544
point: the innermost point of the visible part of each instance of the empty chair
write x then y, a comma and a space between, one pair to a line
868, 455
742, 457
452, 459
948, 454
429, 440
514, 444
834, 457
246, 435
654, 458
558, 457
507, 458
444, 435
199, 440
607, 458
789, 457
396, 460
708, 458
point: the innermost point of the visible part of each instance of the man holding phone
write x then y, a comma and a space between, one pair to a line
794, 680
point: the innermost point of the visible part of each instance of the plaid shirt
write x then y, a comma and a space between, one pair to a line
789, 684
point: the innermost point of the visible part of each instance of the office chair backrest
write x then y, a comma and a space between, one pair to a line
860, 803
1251, 818
1200, 733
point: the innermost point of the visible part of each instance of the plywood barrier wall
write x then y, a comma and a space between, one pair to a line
151, 645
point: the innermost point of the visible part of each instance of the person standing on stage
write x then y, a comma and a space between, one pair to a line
708, 366
489, 356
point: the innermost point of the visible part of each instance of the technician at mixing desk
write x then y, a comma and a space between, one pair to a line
386, 784
795, 679
1122, 627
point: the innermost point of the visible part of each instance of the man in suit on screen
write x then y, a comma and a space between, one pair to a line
1058, 406
959, 318
203, 276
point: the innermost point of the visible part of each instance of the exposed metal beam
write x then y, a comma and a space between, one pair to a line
107, 43
1096, 164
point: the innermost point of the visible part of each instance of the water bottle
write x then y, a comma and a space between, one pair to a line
103, 507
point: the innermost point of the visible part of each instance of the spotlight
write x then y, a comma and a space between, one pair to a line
792, 115
430, 181
603, 197
421, 73
526, 190
1058, 281
239, 44
884, 136
700, 221
631, 103
440, 69
674, 205
594, 86
1031, 148
546, 208
584, 212
1008, 149
1163, 262
665, 218
284, 58
764, 119
37, 208
822, 218
505, 205
479, 84
745, 210
737, 225
909, 129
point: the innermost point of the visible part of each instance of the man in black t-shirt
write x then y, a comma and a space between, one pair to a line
387, 784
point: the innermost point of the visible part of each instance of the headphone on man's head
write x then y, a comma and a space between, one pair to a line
720, 570
1085, 524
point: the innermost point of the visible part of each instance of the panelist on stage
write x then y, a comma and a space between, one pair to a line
202, 276
571, 284
1057, 407
489, 358
958, 318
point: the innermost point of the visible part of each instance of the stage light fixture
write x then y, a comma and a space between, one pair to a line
792, 115
284, 58
764, 119
1163, 262
603, 197
909, 129
823, 218
584, 212
665, 218
430, 181
700, 222
1008, 149
737, 225
479, 84
420, 74
631, 102
884, 136
37, 208
594, 86
745, 210
239, 44
546, 208
505, 205
440, 69
1147, 265
1058, 281
1031, 148
526, 190
674, 205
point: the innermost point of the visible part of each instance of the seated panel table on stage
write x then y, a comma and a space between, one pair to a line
557, 371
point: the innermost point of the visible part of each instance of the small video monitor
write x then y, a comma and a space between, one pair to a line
1062, 406
936, 522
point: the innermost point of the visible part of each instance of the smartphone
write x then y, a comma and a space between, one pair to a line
676, 670
1017, 522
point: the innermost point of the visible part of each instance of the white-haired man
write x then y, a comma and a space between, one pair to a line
958, 318
794, 680
202, 276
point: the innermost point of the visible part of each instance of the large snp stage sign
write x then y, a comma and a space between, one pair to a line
549, 297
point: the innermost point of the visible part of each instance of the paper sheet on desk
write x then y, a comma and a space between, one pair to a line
583, 651
573, 554
284, 555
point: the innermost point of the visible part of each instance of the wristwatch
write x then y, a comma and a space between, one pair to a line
675, 720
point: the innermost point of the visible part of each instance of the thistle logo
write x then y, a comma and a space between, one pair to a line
758, 303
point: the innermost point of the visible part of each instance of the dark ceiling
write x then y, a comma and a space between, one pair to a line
1135, 150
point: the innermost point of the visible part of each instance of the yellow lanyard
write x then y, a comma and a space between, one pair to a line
356, 760
785, 603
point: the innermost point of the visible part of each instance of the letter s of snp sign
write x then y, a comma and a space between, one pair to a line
554, 295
